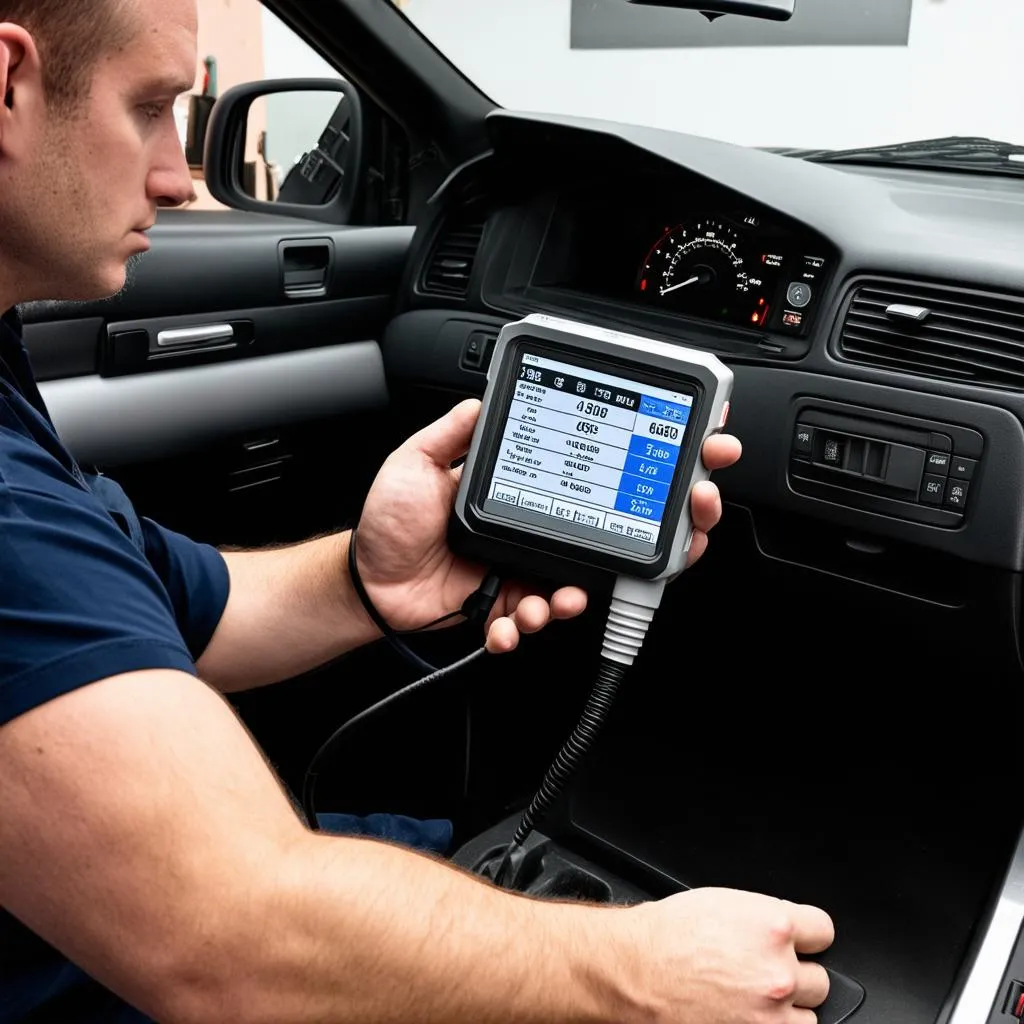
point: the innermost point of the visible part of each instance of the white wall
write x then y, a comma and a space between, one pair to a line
963, 73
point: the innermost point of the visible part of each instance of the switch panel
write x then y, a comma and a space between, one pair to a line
478, 351
889, 464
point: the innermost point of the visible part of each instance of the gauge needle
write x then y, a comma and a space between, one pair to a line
684, 284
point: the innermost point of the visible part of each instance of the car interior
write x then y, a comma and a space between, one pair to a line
823, 709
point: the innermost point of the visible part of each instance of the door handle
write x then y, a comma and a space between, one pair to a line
205, 336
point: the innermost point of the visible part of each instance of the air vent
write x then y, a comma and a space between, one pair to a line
929, 330
451, 263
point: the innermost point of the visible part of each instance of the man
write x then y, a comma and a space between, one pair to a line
148, 857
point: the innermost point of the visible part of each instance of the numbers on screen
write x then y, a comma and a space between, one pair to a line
593, 409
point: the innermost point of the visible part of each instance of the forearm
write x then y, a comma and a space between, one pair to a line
350, 930
290, 611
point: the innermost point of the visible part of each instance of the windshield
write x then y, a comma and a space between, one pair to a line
840, 74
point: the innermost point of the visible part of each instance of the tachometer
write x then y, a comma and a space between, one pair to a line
698, 268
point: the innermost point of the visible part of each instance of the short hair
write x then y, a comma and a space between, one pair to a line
71, 35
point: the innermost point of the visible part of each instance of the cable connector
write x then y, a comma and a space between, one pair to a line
634, 603
478, 605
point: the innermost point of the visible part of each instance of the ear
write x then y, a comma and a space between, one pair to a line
22, 97
5, 70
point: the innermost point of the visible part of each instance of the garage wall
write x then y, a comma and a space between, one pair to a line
231, 31
962, 73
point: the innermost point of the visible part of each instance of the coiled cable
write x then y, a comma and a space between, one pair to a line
633, 605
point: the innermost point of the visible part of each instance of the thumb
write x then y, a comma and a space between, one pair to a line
448, 438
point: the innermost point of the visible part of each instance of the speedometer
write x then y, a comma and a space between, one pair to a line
700, 268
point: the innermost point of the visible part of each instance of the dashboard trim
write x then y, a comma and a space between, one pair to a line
982, 988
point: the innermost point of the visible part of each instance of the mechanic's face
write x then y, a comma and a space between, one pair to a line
80, 187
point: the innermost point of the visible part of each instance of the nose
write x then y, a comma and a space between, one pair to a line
170, 179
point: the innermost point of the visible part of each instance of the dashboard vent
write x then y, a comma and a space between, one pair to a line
450, 266
953, 334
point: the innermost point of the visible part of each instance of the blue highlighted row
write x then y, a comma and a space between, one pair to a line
663, 410
643, 507
650, 469
653, 449
642, 487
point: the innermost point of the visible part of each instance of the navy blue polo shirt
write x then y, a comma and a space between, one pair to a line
88, 590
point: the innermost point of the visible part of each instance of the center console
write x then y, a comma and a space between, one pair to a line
550, 870
844, 768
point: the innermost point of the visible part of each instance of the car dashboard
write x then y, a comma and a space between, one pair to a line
676, 252
874, 318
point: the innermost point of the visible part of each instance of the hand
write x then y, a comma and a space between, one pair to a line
406, 566
721, 956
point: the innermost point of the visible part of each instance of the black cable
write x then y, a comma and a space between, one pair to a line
313, 771
599, 703
430, 625
475, 609
378, 620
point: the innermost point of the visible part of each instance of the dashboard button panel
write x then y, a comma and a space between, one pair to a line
803, 439
833, 450
963, 469
956, 493
889, 464
933, 489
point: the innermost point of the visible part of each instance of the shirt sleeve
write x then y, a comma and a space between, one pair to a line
78, 601
196, 579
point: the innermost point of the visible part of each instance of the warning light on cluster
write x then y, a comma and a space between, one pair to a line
643, 286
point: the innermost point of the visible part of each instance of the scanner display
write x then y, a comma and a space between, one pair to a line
590, 454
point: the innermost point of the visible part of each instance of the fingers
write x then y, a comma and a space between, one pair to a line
530, 613
813, 930
799, 1016
720, 451
448, 438
698, 545
705, 506
502, 636
523, 613
568, 603
706, 511
812, 985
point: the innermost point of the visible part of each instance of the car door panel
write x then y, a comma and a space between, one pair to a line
209, 265
110, 422
229, 439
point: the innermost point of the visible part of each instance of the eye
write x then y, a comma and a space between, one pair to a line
153, 111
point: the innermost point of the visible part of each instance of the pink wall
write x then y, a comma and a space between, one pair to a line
231, 31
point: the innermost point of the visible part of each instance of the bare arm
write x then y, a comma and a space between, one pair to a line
289, 611
143, 835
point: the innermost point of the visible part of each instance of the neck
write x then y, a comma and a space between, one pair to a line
12, 288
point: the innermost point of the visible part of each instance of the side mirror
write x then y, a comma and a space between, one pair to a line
292, 147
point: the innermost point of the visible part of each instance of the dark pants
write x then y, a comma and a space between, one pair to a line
433, 836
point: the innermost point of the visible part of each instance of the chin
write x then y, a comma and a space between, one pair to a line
105, 285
